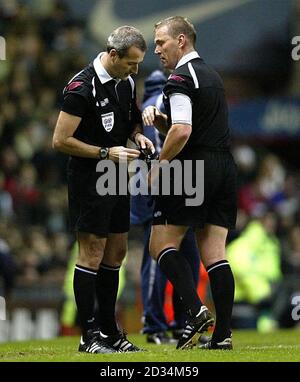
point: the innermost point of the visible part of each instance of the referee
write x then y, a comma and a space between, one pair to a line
197, 129
99, 113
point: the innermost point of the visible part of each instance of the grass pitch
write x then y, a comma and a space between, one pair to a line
249, 346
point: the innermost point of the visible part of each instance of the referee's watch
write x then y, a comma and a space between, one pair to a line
103, 152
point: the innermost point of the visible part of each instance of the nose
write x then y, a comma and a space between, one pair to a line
157, 50
135, 69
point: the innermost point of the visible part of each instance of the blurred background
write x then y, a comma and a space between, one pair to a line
250, 43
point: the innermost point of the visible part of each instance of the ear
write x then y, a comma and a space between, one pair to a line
113, 54
181, 40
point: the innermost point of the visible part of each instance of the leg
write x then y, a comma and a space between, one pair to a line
89, 216
164, 245
91, 249
107, 291
108, 281
165, 236
153, 292
115, 249
189, 250
211, 241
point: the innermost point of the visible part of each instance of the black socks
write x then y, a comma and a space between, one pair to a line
84, 290
178, 271
107, 285
222, 288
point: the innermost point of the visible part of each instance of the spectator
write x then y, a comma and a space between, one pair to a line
7, 270
255, 258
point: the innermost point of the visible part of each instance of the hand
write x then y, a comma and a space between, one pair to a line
122, 154
144, 143
149, 115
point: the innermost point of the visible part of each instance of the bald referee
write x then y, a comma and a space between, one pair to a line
197, 130
99, 113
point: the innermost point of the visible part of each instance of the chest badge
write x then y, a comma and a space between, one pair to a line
108, 121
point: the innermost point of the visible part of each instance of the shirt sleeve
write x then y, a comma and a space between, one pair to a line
76, 98
181, 109
74, 104
179, 84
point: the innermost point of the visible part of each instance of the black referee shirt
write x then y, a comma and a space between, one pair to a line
204, 87
107, 107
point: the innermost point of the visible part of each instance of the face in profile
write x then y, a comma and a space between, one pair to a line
166, 47
129, 64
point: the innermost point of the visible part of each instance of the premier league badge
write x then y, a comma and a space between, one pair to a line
108, 121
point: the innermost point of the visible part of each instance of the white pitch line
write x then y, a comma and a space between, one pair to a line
272, 347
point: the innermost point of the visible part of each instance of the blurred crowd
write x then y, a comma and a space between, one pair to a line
43, 52
264, 250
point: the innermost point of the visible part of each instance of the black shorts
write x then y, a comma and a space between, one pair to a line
92, 213
219, 206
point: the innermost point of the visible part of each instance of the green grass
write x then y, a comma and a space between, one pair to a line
248, 346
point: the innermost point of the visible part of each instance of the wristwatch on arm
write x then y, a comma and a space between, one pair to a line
103, 152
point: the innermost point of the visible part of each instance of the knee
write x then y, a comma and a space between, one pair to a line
90, 253
211, 256
115, 258
118, 257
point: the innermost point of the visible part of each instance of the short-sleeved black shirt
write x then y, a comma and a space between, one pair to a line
107, 107
208, 142
205, 88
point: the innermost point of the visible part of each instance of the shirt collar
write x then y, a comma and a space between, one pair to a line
186, 58
100, 70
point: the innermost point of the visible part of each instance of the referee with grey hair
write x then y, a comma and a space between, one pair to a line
99, 114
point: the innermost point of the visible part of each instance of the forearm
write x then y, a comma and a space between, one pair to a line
64, 140
75, 147
161, 123
176, 139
